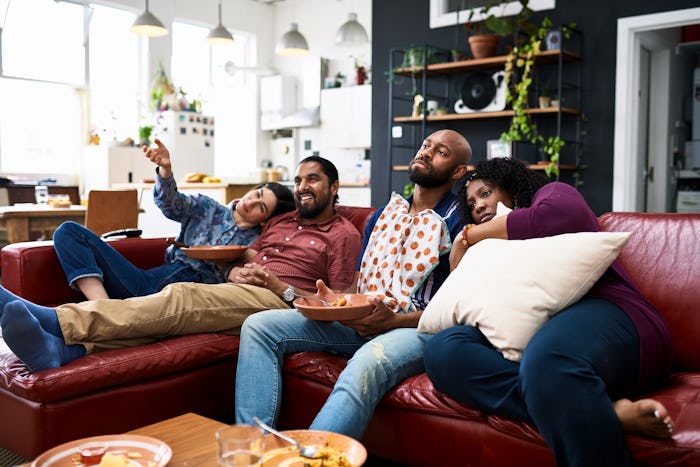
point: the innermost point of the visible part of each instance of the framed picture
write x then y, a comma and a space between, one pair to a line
497, 148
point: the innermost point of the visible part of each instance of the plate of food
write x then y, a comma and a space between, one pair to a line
108, 451
215, 252
340, 307
334, 450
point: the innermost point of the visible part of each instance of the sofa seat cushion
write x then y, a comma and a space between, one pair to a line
681, 396
114, 367
415, 393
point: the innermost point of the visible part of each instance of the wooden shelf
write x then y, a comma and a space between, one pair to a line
463, 66
483, 115
403, 168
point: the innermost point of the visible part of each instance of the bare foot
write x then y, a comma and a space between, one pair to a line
645, 417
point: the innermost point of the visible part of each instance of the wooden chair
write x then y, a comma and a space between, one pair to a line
109, 210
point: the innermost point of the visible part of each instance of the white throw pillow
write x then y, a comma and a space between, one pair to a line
509, 288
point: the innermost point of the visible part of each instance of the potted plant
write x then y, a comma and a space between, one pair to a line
163, 92
518, 78
145, 135
457, 56
418, 57
484, 33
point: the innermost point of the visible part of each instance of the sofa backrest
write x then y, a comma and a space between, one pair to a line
663, 258
359, 216
31, 269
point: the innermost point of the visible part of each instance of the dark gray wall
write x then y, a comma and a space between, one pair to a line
401, 23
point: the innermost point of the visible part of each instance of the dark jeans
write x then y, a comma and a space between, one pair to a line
580, 359
82, 253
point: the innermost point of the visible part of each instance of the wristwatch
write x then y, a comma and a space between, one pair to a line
288, 294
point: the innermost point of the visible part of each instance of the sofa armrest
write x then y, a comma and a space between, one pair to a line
32, 271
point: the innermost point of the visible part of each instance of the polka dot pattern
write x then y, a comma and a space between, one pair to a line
401, 252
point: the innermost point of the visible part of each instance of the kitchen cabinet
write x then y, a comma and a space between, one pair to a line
346, 117
559, 70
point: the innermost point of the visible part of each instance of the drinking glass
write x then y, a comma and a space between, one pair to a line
240, 445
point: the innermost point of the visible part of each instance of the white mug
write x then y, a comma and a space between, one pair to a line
431, 106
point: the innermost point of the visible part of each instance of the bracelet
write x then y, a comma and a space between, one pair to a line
465, 234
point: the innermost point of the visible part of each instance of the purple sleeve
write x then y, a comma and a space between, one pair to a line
556, 208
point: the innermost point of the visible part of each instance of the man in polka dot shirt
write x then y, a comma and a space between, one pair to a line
385, 346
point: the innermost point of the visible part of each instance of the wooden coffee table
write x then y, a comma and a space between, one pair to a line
190, 436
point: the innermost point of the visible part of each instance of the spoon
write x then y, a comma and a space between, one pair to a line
305, 451
325, 303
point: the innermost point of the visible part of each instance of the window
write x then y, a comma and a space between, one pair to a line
115, 75
39, 116
48, 98
43, 40
450, 12
39, 127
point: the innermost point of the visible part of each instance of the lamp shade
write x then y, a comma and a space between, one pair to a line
292, 43
351, 33
148, 25
219, 35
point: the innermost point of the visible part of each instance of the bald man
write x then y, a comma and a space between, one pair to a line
402, 264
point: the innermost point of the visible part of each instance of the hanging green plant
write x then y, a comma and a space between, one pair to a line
552, 147
518, 79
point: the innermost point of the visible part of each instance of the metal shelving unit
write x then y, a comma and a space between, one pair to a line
436, 81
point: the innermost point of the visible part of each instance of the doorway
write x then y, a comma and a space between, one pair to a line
644, 148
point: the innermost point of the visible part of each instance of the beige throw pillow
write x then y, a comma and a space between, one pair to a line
509, 288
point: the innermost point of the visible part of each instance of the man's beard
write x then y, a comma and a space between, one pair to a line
430, 178
307, 211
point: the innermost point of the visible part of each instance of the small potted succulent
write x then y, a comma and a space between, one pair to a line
145, 135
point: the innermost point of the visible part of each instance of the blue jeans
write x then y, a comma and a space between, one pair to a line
82, 253
377, 365
580, 359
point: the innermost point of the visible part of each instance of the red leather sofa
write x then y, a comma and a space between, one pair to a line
118, 390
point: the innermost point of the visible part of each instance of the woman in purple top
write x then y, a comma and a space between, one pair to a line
610, 345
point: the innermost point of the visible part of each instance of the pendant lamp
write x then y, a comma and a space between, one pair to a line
148, 25
219, 35
292, 43
351, 33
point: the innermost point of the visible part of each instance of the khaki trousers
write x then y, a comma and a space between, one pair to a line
179, 309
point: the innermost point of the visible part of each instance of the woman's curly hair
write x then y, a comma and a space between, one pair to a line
510, 175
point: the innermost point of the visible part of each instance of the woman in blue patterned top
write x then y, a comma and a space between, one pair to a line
96, 269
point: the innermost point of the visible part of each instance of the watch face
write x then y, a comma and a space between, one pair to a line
288, 294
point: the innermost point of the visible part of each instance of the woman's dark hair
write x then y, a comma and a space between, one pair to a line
327, 168
509, 175
285, 197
